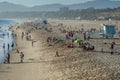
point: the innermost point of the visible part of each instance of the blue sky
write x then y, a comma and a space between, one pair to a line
42, 2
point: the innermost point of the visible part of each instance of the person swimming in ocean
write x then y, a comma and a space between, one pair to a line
8, 46
12, 45
3, 45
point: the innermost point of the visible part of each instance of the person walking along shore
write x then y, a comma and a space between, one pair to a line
21, 57
8, 58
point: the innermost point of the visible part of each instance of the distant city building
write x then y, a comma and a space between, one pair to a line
101, 18
77, 18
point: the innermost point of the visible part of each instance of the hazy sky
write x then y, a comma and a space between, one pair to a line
42, 2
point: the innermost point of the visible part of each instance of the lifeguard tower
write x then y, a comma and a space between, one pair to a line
109, 31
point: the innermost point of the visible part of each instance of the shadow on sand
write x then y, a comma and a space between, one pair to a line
102, 51
30, 62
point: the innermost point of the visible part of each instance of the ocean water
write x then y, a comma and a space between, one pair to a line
6, 38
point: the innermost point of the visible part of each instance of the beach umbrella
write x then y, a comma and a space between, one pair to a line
78, 41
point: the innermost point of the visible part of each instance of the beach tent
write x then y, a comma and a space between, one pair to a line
78, 41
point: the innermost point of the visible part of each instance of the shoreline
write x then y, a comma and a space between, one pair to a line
7, 37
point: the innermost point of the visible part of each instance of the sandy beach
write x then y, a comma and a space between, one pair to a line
41, 63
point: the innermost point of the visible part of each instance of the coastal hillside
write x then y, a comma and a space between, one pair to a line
97, 4
86, 14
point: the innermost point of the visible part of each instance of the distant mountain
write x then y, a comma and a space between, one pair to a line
97, 4
50, 7
10, 7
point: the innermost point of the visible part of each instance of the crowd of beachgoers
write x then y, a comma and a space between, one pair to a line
62, 52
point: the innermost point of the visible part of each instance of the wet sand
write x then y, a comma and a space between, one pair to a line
40, 62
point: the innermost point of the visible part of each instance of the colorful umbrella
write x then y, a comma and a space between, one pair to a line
78, 41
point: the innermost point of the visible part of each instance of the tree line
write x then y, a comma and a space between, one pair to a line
86, 14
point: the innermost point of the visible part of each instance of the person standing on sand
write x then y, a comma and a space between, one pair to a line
57, 54
21, 57
17, 50
22, 35
47, 39
8, 58
15, 35
32, 43
84, 34
112, 47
